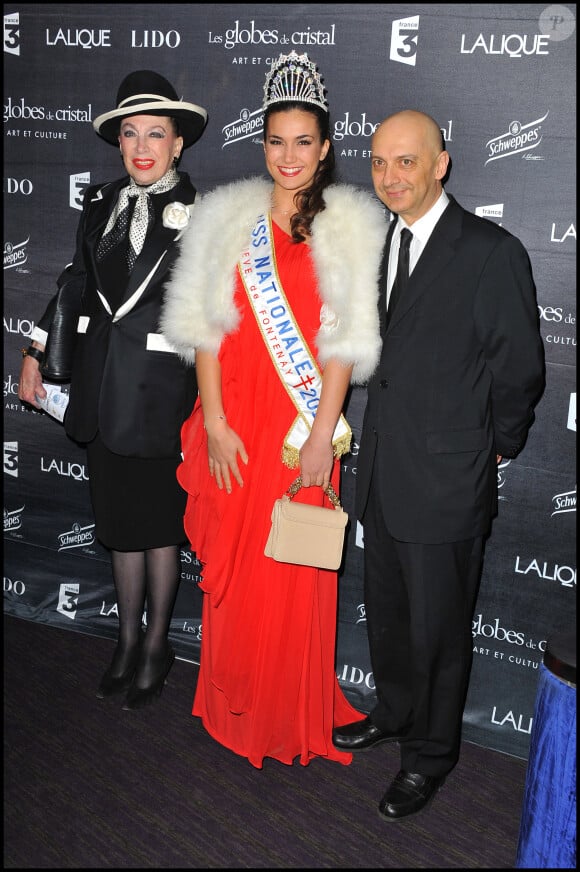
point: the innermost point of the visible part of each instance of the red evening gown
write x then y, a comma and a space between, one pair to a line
267, 684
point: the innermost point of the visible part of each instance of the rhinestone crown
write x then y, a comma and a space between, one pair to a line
294, 77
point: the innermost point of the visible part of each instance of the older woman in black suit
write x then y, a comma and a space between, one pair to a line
129, 391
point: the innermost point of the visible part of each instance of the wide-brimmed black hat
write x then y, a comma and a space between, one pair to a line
145, 92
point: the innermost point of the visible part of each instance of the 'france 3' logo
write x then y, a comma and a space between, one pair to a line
12, 33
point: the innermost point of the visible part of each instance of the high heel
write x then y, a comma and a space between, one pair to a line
111, 685
138, 697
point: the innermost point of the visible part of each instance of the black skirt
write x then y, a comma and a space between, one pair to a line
137, 502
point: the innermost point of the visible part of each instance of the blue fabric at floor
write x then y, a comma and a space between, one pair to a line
547, 837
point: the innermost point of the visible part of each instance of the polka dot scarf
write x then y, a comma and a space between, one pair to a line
143, 217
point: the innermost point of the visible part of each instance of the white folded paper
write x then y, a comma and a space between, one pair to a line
55, 401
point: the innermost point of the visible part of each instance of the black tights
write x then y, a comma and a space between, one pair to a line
150, 576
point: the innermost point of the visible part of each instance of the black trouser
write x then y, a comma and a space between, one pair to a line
419, 602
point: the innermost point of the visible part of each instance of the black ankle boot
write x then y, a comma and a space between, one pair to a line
138, 697
111, 685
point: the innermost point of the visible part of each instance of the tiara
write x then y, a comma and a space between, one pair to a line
294, 77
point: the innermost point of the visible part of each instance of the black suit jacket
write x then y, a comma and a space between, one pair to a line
126, 382
461, 369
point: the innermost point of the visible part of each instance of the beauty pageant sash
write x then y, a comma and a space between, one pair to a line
288, 351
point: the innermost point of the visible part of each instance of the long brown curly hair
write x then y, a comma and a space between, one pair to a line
310, 201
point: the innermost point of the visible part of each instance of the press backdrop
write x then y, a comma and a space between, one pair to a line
500, 80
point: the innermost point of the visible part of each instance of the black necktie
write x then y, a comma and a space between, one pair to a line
402, 276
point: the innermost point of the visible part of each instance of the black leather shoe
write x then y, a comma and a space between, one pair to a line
361, 735
408, 794
111, 685
139, 697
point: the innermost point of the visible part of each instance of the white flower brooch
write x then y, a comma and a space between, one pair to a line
176, 216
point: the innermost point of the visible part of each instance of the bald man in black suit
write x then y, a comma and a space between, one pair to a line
461, 370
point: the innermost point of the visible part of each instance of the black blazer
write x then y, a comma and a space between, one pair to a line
461, 369
126, 382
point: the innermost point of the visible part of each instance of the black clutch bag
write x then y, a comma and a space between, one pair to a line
66, 305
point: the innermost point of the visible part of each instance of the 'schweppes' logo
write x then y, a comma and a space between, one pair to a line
247, 125
12, 33
404, 39
78, 184
68, 598
13, 519
519, 137
564, 503
15, 254
76, 537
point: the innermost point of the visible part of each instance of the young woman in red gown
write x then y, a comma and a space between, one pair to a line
267, 684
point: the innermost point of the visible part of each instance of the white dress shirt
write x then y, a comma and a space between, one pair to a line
421, 230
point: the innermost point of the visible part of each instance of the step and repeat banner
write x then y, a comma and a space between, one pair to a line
499, 79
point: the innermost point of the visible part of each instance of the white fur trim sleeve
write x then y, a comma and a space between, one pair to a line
347, 242
199, 296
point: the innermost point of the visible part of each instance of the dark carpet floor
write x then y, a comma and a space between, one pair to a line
89, 786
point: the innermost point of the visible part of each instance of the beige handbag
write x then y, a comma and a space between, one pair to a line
307, 535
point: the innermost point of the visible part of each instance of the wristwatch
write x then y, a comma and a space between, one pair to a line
31, 351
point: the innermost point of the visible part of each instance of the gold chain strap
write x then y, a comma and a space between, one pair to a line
329, 490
